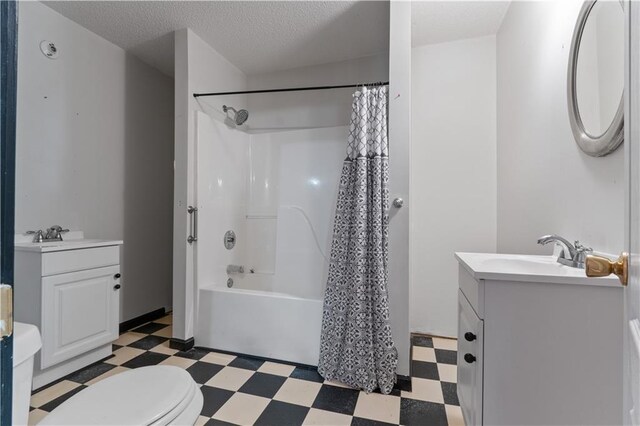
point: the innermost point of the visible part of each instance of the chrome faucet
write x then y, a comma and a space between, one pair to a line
573, 255
55, 233
38, 236
51, 234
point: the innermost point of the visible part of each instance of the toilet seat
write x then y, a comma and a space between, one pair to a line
156, 395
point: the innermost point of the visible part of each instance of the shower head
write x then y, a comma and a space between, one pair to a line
242, 116
239, 117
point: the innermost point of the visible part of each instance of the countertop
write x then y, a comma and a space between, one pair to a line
528, 268
53, 246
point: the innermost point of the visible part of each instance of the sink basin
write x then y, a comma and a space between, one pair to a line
48, 244
530, 268
546, 265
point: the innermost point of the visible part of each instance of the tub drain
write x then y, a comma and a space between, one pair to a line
230, 282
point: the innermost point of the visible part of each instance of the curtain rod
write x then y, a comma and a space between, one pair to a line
290, 89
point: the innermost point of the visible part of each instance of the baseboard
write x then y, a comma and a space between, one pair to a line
142, 319
181, 345
261, 358
439, 336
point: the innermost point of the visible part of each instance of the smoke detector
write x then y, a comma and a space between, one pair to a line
49, 49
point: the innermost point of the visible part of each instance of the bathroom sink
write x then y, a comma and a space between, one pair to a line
49, 244
530, 268
545, 265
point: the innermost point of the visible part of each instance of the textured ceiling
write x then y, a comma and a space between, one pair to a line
440, 21
256, 36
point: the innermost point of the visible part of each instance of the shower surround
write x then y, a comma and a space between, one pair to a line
276, 190
304, 117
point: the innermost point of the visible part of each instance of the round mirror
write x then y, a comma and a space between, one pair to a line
596, 78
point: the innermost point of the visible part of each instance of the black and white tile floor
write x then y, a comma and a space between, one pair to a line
243, 390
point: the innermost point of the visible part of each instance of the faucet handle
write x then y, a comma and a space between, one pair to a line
38, 236
54, 232
58, 229
582, 249
581, 254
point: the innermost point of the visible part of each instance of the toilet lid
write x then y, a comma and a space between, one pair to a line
26, 342
137, 397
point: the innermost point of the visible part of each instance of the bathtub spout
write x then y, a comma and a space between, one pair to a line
235, 269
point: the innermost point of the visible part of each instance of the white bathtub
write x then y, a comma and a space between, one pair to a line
258, 322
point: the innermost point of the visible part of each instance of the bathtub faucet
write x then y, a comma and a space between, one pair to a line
235, 269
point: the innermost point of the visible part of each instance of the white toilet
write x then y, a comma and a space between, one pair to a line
156, 395
26, 343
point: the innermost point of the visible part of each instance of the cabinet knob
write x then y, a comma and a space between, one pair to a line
469, 358
116, 287
116, 276
469, 336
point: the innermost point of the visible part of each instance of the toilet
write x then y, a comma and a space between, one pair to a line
26, 343
155, 395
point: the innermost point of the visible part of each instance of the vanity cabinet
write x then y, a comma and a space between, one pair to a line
79, 313
470, 344
71, 293
537, 348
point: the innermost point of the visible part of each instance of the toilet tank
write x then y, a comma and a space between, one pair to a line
26, 343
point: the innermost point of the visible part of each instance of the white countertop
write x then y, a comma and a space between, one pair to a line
527, 268
65, 245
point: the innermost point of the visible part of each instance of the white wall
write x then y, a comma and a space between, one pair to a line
545, 183
198, 68
94, 149
453, 172
399, 174
321, 108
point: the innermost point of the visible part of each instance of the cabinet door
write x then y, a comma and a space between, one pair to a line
470, 361
79, 312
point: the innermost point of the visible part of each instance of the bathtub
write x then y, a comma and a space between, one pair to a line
258, 321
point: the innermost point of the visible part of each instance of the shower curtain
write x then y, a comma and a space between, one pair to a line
356, 346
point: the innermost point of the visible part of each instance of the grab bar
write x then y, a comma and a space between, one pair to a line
193, 236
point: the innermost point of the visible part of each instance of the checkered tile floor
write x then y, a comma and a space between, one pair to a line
243, 390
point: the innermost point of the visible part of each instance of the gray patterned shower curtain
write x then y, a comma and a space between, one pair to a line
356, 346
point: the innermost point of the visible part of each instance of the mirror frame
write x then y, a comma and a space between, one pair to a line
610, 140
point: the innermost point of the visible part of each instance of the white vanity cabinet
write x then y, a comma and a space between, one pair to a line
70, 291
470, 340
538, 343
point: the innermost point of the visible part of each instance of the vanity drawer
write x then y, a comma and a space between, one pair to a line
470, 361
472, 290
62, 262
